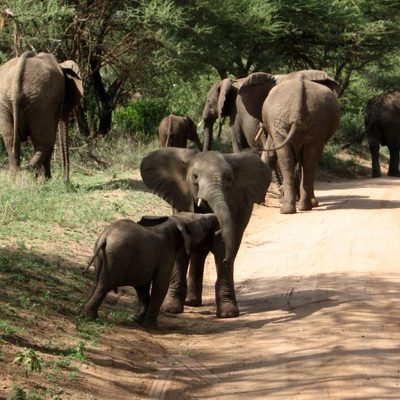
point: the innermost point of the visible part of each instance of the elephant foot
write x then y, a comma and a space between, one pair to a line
288, 209
376, 174
394, 173
172, 305
314, 202
227, 310
193, 302
304, 206
150, 324
91, 314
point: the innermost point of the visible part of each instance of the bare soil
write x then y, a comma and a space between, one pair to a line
320, 313
319, 295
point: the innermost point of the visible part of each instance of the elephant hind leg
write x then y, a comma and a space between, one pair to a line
308, 165
394, 162
93, 304
143, 294
40, 162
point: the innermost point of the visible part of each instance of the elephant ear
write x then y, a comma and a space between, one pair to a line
317, 76
224, 98
254, 90
164, 172
252, 177
73, 86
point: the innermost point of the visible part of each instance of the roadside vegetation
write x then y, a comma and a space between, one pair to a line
142, 60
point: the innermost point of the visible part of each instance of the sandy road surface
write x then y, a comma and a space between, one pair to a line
319, 294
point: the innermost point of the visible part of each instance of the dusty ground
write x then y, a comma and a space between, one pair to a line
319, 294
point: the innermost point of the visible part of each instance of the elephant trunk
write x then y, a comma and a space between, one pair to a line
218, 204
208, 134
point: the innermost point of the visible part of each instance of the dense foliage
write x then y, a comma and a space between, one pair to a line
173, 50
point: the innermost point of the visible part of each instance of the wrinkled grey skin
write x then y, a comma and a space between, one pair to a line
142, 255
241, 100
382, 127
38, 94
227, 185
174, 131
299, 116
234, 98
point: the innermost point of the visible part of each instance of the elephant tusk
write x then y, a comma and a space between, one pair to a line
199, 201
201, 122
259, 132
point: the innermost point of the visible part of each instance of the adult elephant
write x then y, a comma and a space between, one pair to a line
37, 95
175, 131
227, 185
233, 99
241, 100
299, 116
382, 122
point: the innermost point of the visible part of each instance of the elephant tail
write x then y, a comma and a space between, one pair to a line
100, 246
289, 137
16, 95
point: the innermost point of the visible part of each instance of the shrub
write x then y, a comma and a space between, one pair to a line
140, 118
351, 129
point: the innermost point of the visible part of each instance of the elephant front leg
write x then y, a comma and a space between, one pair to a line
225, 292
175, 298
195, 279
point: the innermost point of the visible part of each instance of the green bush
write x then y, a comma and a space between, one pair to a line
140, 118
351, 129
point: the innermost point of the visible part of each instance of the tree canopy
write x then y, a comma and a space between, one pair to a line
126, 47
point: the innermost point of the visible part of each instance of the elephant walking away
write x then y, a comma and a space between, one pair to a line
242, 99
37, 95
382, 127
227, 185
142, 255
174, 131
300, 116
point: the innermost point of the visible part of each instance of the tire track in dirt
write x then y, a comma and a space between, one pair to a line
318, 294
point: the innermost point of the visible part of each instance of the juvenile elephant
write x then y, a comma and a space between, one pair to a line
37, 94
142, 255
227, 185
174, 131
382, 127
300, 116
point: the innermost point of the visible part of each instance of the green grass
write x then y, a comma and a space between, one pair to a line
47, 232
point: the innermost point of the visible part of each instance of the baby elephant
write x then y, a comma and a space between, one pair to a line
142, 255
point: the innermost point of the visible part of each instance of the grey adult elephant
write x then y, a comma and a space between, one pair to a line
176, 130
382, 127
233, 98
225, 184
299, 116
37, 95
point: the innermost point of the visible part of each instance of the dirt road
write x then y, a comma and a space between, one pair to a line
319, 294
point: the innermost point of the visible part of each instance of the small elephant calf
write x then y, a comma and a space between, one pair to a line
142, 256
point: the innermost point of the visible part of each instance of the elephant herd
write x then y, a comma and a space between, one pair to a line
279, 126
